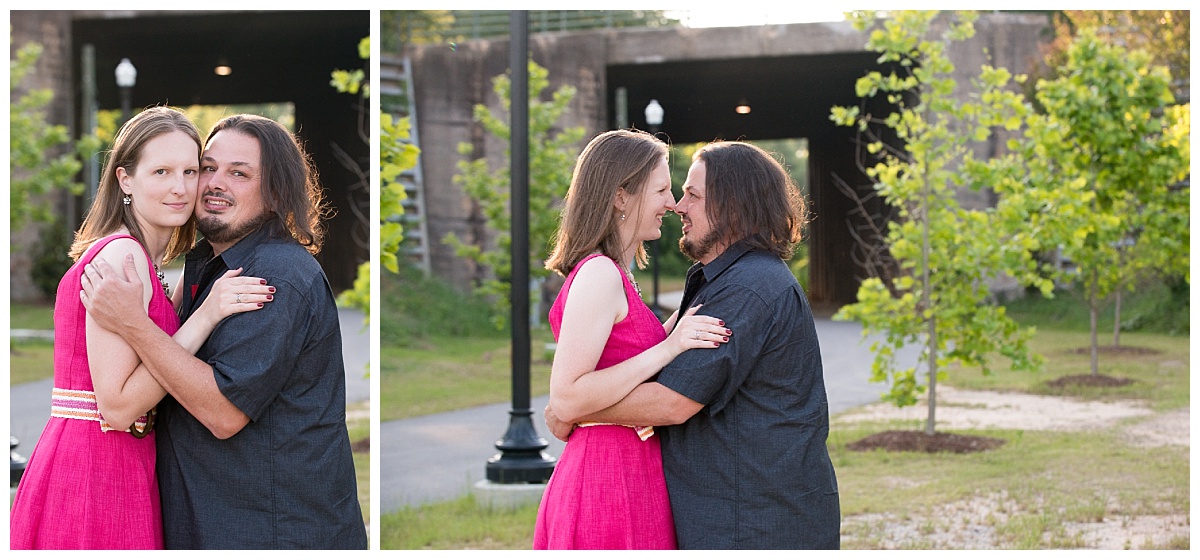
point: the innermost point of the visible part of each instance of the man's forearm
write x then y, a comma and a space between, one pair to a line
649, 404
187, 378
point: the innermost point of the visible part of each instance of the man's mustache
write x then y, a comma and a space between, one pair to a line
221, 196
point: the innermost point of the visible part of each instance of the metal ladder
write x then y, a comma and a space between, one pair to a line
395, 81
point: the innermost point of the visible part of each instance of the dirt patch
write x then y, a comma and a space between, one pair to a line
361, 446
919, 441
971, 525
1168, 428
963, 525
1132, 533
960, 409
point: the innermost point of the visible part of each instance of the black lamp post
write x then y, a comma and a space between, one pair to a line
126, 78
654, 118
16, 463
520, 459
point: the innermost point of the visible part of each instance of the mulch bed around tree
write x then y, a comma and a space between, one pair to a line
1089, 380
918, 440
361, 446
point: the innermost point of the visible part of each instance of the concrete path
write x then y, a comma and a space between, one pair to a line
30, 402
441, 456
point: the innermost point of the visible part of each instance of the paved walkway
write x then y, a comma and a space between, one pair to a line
441, 456
30, 402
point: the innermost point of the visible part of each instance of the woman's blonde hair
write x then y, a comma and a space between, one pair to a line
612, 161
109, 213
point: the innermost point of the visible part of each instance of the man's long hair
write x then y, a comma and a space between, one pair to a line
614, 160
108, 212
750, 196
291, 194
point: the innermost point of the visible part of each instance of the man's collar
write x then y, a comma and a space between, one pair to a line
239, 252
726, 259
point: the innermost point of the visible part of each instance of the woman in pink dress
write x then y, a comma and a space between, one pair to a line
90, 482
607, 490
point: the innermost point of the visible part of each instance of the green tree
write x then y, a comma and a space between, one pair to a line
393, 154
33, 169
551, 156
1163, 34
938, 295
396, 155
1106, 157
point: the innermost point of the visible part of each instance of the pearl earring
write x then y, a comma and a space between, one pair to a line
126, 200
622, 217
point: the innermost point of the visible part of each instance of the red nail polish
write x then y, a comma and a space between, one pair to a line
724, 339
260, 304
262, 282
271, 289
269, 298
722, 323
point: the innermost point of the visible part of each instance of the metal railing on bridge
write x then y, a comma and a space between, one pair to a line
476, 24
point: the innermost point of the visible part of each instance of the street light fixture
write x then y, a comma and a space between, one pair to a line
654, 118
126, 78
654, 115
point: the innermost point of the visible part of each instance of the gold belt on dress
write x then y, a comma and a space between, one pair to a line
81, 405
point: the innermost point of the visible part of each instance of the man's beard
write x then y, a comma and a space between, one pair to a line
696, 250
216, 231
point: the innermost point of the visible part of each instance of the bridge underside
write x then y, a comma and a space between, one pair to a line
789, 97
276, 57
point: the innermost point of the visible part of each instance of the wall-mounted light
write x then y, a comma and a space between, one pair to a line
222, 68
743, 107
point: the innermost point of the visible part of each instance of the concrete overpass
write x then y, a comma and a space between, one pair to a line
275, 56
791, 75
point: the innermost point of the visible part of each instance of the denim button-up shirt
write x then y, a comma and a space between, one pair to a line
751, 469
286, 480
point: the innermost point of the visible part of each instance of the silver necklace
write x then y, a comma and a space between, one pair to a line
162, 279
629, 274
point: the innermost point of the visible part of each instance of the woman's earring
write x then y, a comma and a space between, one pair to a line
126, 200
622, 215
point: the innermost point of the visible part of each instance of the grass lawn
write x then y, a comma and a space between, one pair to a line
1157, 364
1039, 483
358, 424
444, 373
32, 359
29, 316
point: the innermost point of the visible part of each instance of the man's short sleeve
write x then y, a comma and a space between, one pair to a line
711, 377
254, 353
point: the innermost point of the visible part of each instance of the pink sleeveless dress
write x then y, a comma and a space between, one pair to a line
608, 491
85, 488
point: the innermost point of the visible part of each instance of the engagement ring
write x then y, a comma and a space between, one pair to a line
239, 298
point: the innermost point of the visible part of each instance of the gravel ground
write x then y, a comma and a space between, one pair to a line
969, 524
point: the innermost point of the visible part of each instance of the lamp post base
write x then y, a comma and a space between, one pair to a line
521, 460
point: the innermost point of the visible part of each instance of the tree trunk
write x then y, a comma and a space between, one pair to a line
929, 420
927, 298
1117, 321
1092, 314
